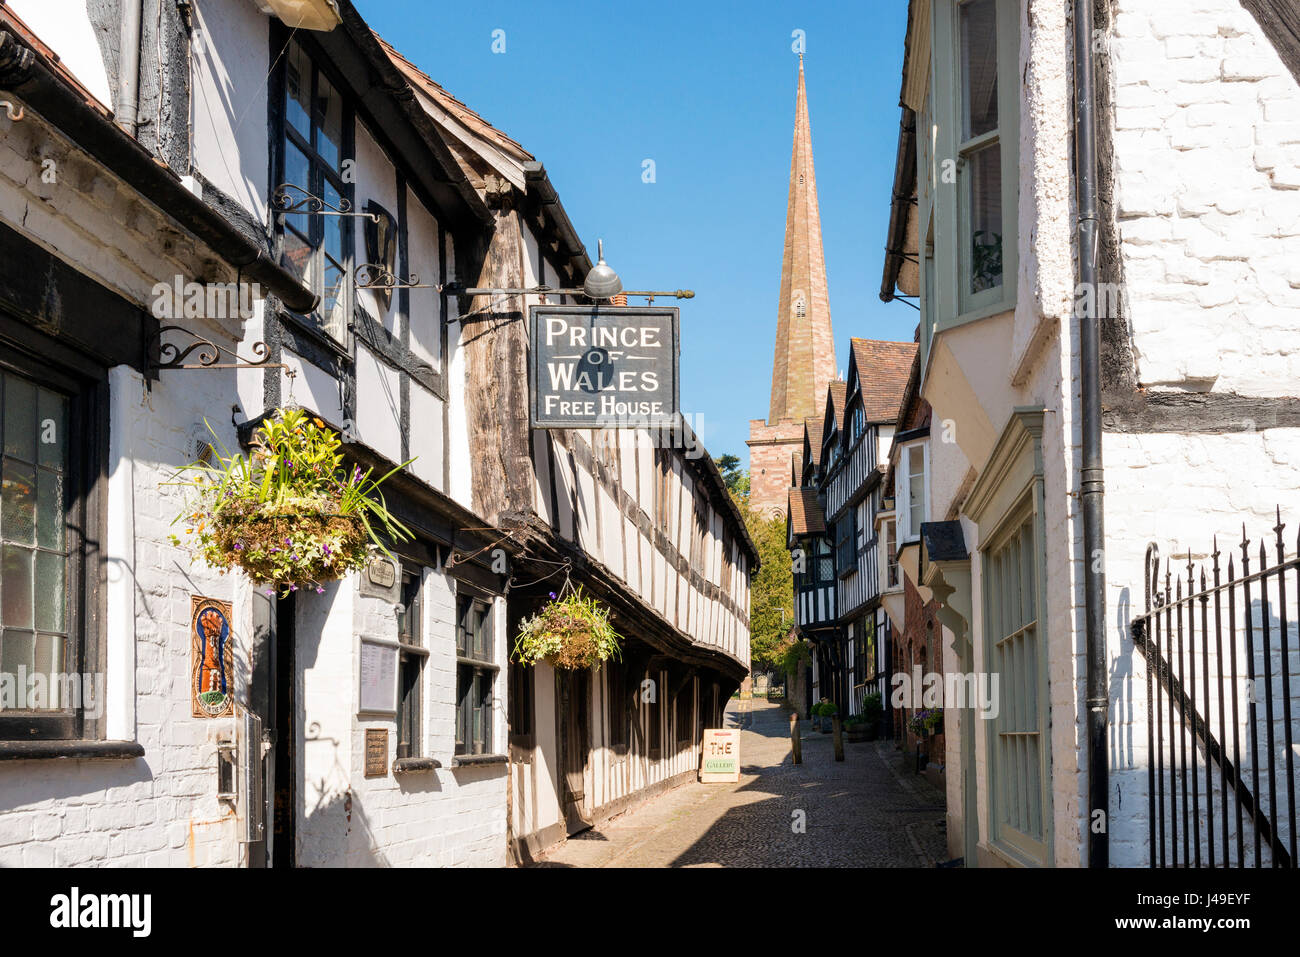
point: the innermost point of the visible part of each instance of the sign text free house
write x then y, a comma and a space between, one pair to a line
603, 367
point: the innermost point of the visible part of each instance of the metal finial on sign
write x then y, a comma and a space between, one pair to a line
601, 282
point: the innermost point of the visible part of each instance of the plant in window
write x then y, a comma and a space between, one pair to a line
571, 632
986, 261
289, 514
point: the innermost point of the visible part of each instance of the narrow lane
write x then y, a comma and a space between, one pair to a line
863, 812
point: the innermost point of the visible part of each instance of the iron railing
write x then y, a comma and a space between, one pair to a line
1221, 731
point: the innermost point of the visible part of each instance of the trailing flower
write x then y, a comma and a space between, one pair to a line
923, 723
570, 631
290, 514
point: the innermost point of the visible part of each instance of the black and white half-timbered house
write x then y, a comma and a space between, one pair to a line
832, 526
325, 202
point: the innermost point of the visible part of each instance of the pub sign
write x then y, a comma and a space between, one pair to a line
603, 367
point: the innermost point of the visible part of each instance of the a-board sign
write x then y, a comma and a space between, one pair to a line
603, 367
720, 760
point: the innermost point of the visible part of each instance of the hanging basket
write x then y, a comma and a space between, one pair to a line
289, 514
570, 632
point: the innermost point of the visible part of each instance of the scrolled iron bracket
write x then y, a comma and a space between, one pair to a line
172, 356
308, 204
15, 110
377, 276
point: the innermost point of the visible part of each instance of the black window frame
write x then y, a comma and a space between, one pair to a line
85, 507
319, 170
475, 676
620, 707
685, 698
654, 716
411, 656
520, 704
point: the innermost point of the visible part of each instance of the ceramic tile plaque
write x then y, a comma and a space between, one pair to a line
212, 693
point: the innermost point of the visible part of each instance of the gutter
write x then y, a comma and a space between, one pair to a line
904, 190
33, 80
1091, 486
542, 195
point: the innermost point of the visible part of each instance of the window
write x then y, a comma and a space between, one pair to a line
314, 149
44, 507
859, 423
411, 656
1018, 745
475, 674
654, 715
891, 551
520, 702
846, 543
620, 706
973, 116
911, 492
684, 705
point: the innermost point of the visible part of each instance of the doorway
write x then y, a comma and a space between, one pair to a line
574, 700
284, 706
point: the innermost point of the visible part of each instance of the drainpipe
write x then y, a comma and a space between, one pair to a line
128, 66
1091, 484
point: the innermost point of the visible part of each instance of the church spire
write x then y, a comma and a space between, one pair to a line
804, 357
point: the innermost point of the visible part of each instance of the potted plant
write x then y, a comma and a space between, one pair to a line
571, 631
872, 711
290, 513
826, 710
925, 723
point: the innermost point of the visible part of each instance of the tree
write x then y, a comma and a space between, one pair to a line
737, 479
771, 592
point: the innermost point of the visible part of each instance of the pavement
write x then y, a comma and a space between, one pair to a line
867, 811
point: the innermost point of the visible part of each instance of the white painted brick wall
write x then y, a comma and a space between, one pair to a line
1207, 151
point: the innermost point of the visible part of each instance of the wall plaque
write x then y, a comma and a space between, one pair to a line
378, 676
212, 692
603, 367
376, 752
380, 577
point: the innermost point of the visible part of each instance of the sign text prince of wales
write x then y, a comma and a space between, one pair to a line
593, 367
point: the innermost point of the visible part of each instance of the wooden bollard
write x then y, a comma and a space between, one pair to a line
795, 746
838, 737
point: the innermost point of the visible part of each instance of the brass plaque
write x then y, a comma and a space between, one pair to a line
376, 752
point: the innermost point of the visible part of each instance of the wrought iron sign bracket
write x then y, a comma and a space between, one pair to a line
286, 203
376, 276
15, 110
169, 355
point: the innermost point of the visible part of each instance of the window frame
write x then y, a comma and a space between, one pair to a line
1026, 511
319, 170
84, 574
685, 697
412, 654
943, 205
483, 672
903, 492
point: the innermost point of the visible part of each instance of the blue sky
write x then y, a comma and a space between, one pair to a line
707, 91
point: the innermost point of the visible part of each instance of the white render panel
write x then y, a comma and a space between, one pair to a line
379, 417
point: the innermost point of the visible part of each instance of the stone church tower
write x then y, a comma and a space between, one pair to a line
804, 359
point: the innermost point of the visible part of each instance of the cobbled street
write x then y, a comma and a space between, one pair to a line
868, 811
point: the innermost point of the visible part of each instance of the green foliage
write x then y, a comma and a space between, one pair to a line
289, 513
737, 479
872, 707
570, 632
771, 593
794, 655
825, 709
